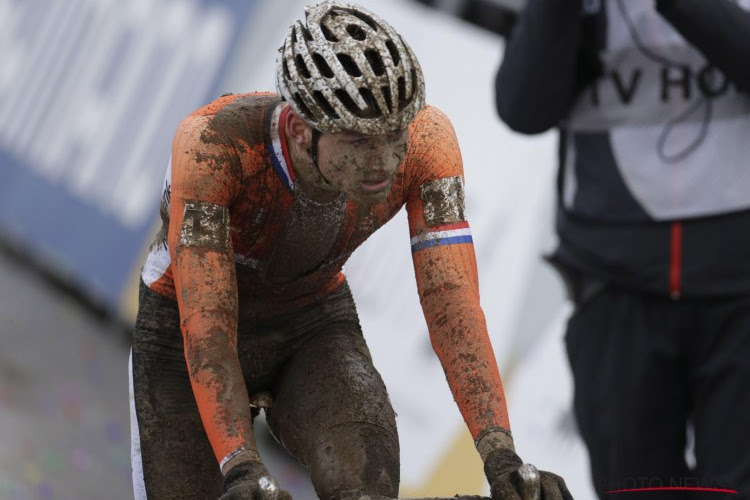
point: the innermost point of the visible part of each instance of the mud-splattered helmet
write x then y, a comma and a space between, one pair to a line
347, 69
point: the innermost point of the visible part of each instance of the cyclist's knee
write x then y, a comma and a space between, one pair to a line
355, 459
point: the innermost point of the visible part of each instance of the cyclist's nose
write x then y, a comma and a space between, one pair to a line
387, 156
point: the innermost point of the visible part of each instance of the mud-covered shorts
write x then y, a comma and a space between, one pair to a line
330, 406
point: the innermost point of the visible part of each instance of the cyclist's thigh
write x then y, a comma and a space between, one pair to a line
331, 410
171, 455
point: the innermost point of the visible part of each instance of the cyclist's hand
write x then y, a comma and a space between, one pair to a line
507, 482
251, 481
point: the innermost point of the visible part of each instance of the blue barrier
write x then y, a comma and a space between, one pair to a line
90, 94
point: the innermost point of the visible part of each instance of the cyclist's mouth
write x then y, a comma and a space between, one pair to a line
377, 185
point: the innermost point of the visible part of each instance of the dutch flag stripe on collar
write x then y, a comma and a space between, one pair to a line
277, 148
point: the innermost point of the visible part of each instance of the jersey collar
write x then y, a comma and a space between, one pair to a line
278, 148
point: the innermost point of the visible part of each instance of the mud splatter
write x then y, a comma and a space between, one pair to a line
348, 160
310, 233
391, 81
177, 458
493, 439
443, 201
298, 340
205, 225
331, 408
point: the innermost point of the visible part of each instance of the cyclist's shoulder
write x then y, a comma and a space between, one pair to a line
244, 103
231, 116
433, 142
431, 128
431, 114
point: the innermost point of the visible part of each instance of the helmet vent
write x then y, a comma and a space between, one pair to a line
370, 112
356, 32
301, 66
376, 62
370, 21
285, 67
413, 85
349, 65
323, 103
373, 109
402, 89
386, 91
302, 106
322, 65
328, 34
393, 51
347, 101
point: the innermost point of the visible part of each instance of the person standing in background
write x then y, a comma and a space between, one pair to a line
652, 101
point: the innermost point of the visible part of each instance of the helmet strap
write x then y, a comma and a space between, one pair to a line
314, 146
314, 154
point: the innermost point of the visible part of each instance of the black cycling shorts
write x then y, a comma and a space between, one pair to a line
330, 406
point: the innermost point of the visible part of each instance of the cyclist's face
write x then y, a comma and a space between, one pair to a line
362, 166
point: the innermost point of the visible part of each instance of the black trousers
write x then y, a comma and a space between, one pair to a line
330, 406
644, 367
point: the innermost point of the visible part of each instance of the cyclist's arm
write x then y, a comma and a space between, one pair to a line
720, 29
446, 273
205, 283
537, 79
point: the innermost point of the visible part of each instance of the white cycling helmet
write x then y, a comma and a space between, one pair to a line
347, 69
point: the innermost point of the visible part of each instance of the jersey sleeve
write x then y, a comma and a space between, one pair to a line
446, 272
205, 171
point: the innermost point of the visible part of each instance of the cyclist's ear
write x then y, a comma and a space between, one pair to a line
298, 130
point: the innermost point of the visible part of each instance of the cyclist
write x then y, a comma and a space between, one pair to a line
243, 303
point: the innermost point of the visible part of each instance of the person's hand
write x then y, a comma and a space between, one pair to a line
511, 479
251, 481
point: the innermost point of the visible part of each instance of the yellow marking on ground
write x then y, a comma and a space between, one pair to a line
459, 470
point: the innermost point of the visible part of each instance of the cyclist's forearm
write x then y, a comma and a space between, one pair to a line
449, 292
222, 399
207, 296
466, 354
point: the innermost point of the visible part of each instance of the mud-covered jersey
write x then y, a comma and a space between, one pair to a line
241, 239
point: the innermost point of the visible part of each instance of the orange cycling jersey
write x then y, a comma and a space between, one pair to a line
239, 239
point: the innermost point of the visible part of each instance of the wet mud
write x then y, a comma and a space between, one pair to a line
443, 201
493, 439
178, 461
205, 225
330, 407
310, 233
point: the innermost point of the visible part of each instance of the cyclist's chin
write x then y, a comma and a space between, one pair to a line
366, 197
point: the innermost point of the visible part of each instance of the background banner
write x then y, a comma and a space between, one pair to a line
91, 92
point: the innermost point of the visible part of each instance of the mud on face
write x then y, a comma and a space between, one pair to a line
362, 166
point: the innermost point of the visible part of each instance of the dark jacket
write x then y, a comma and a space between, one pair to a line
653, 108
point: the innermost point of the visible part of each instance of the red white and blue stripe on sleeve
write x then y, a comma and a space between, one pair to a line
447, 234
